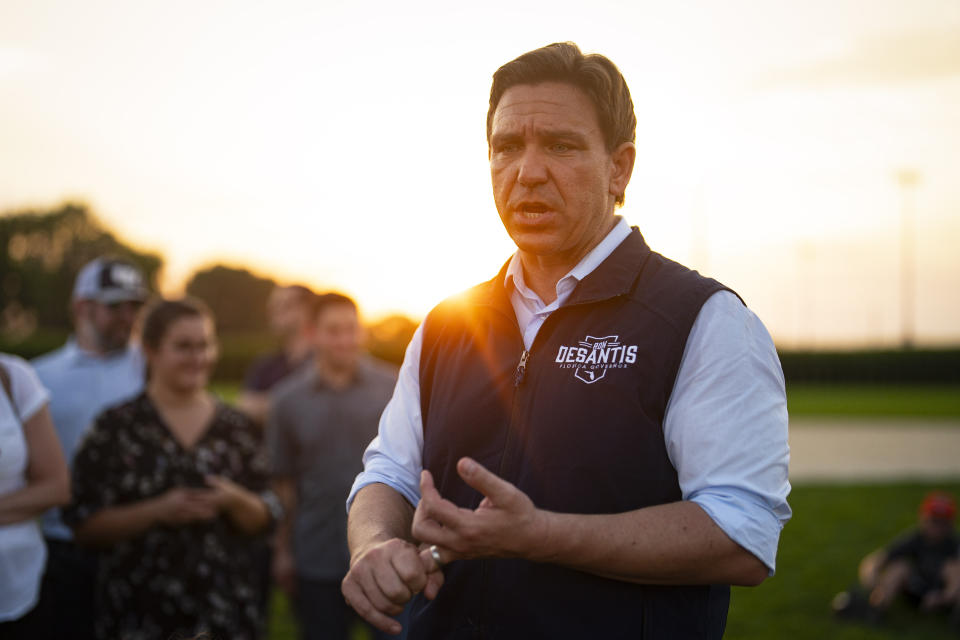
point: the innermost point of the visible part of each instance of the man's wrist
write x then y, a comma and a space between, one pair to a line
542, 543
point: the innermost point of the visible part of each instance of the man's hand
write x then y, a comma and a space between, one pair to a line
505, 524
383, 578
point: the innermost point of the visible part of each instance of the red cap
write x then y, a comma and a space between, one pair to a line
939, 505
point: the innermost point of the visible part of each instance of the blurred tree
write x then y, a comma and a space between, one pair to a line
389, 337
237, 297
42, 251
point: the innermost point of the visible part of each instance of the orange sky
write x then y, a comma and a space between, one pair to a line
343, 144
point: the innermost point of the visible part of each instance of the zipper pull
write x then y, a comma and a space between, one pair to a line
521, 368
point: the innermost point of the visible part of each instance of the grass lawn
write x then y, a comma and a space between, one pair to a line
832, 529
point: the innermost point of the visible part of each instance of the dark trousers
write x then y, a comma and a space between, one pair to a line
323, 614
67, 598
26, 627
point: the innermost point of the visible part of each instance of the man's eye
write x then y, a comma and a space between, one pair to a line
560, 147
508, 148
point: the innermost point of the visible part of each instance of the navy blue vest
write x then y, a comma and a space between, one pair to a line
578, 428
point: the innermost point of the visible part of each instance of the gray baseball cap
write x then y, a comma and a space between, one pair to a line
109, 280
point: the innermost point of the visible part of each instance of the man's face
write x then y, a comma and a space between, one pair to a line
286, 312
110, 325
339, 336
936, 529
554, 182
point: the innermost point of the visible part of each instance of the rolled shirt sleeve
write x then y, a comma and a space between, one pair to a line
726, 426
395, 456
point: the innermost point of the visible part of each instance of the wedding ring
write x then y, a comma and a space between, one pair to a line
435, 554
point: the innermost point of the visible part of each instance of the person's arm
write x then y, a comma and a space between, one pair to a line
48, 481
284, 567
113, 524
674, 543
726, 426
386, 569
175, 507
386, 566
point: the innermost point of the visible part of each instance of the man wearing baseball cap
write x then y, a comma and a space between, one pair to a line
95, 369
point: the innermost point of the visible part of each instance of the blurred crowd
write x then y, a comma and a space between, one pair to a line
136, 504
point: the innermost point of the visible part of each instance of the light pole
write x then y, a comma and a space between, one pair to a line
907, 179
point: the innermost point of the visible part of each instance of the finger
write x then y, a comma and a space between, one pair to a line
216, 484
201, 510
369, 573
356, 597
434, 582
430, 531
411, 570
434, 506
486, 482
430, 563
202, 495
392, 586
428, 490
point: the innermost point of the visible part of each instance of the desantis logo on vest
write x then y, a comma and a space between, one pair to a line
594, 356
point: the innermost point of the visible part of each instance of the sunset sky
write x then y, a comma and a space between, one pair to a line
342, 144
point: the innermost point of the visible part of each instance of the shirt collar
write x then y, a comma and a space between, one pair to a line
313, 375
586, 266
73, 352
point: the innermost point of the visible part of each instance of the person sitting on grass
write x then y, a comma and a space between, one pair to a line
922, 566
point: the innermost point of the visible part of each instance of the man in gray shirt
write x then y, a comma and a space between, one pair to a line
319, 423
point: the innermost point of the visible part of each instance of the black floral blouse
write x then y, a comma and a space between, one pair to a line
171, 581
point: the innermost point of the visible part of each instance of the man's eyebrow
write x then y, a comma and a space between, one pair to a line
563, 134
505, 136
545, 134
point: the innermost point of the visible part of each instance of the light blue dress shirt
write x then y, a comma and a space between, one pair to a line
725, 425
82, 385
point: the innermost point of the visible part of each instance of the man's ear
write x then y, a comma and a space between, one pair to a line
622, 158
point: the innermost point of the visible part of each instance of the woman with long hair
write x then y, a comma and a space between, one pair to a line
173, 487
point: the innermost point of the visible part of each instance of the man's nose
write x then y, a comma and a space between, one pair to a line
533, 169
128, 311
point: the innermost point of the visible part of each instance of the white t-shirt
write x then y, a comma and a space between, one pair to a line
22, 551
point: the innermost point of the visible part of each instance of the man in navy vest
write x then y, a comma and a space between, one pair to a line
594, 442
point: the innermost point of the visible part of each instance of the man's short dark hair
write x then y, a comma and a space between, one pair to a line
594, 74
303, 293
328, 300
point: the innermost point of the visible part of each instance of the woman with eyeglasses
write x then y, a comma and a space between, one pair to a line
172, 487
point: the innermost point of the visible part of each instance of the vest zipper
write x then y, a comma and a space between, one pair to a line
521, 368
518, 374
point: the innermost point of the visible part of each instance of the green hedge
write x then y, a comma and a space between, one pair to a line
881, 366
